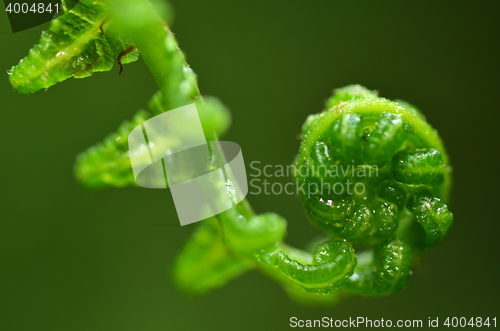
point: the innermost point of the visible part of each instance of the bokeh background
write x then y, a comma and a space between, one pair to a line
74, 259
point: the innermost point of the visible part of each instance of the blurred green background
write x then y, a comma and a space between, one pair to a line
74, 259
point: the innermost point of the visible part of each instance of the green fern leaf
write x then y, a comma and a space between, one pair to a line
108, 163
77, 44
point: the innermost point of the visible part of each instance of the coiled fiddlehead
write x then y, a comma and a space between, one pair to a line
386, 150
400, 165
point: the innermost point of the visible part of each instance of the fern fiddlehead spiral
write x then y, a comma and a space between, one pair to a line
398, 159
381, 146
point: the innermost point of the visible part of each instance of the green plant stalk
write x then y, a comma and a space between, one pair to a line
156, 43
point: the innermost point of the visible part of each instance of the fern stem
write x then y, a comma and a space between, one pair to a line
139, 20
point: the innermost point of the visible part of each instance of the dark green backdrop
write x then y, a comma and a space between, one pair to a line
73, 259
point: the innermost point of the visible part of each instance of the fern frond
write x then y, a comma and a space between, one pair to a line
77, 44
108, 163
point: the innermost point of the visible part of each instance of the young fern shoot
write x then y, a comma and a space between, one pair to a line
398, 218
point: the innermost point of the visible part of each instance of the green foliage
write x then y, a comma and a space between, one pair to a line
251, 237
412, 178
205, 262
398, 217
73, 47
108, 163
421, 168
382, 271
332, 264
350, 93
